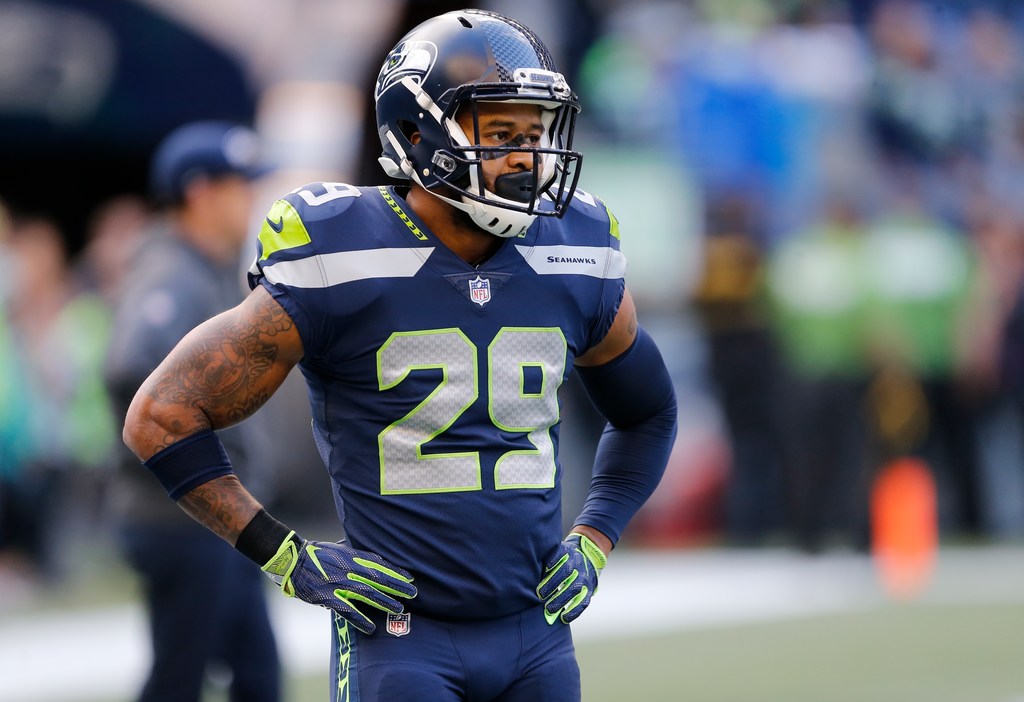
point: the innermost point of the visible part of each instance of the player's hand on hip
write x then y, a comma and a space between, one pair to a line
337, 576
570, 578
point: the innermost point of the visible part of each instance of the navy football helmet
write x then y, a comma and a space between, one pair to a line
466, 57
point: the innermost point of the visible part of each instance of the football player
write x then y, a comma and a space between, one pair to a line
434, 324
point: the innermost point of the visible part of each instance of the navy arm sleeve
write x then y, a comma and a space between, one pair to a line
635, 393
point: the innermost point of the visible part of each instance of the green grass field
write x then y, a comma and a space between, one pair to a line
897, 653
892, 654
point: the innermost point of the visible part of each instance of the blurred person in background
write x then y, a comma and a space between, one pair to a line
206, 604
15, 434
818, 299
113, 234
60, 333
37, 298
434, 323
992, 346
916, 111
1010, 378
112, 231
765, 100
745, 369
921, 275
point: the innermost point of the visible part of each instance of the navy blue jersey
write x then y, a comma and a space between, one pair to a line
434, 384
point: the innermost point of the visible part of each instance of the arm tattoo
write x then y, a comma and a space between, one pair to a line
221, 505
224, 370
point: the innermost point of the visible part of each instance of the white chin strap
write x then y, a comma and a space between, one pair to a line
493, 219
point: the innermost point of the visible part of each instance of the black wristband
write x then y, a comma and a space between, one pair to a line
190, 462
262, 537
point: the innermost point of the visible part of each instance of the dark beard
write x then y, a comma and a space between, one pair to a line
460, 219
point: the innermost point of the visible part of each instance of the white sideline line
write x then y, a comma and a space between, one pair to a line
84, 655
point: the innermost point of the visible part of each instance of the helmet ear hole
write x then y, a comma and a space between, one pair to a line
407, 128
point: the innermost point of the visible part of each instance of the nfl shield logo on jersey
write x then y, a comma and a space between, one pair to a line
480, 290
399, 624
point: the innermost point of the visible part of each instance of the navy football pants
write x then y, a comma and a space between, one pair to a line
513, 659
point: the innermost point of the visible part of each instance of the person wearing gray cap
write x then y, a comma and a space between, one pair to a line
206, 605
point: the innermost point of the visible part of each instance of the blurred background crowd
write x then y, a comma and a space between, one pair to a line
820, 201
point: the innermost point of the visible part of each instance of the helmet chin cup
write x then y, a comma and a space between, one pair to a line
510, 210
495, 219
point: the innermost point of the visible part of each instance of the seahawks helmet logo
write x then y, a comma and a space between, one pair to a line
410, 58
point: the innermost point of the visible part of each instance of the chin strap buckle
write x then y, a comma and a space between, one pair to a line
444, 161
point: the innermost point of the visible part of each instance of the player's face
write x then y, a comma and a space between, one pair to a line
504, 124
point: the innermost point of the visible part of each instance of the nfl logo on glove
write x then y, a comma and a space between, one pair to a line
398, 624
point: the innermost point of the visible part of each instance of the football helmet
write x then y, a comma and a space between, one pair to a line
462, 58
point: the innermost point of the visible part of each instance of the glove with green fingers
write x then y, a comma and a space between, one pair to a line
337, 576
570, 578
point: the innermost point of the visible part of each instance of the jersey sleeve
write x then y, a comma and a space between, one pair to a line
599, 228
297, 232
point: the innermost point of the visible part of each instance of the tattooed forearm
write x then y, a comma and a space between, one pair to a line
221, 505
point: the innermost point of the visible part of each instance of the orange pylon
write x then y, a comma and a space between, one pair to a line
904, 526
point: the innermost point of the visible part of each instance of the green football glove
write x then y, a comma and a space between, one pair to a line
336, 576
570, 578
